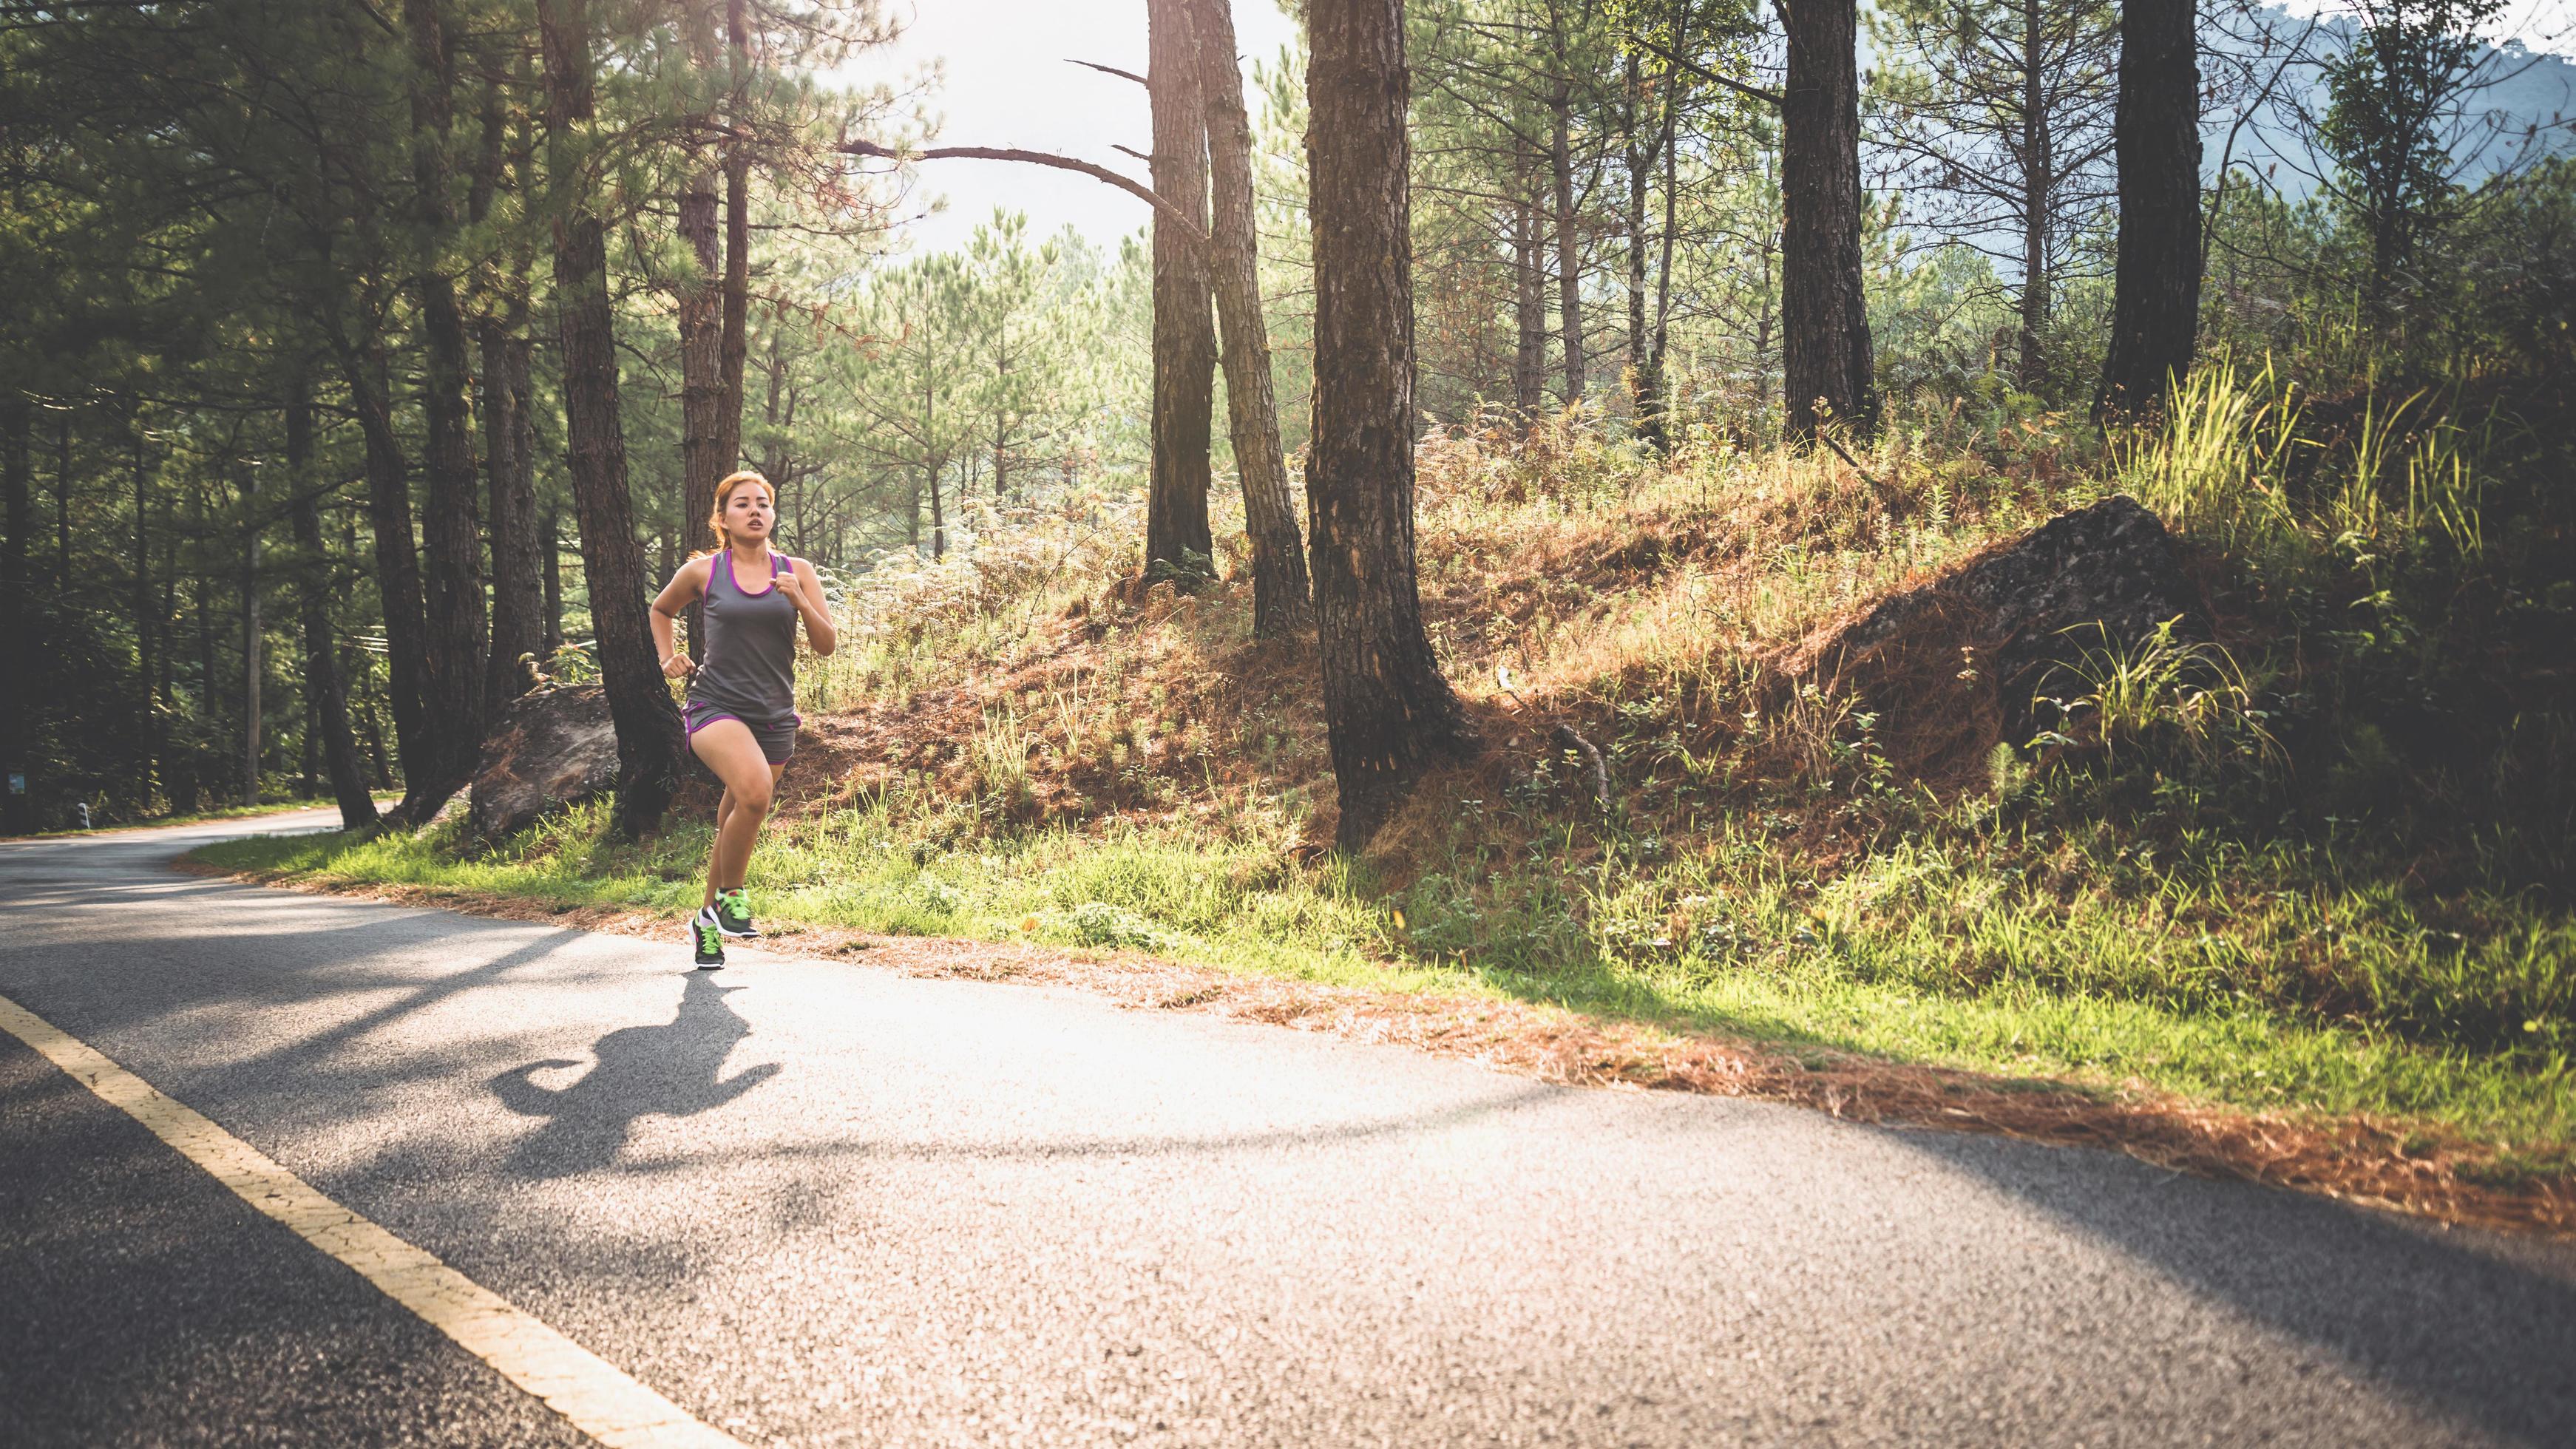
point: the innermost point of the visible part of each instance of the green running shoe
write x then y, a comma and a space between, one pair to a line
733, 915
709, 938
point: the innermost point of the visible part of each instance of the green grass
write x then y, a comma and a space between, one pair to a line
229, 812
1916, 956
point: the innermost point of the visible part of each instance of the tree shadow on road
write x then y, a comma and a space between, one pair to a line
2469, 1325
672, 1070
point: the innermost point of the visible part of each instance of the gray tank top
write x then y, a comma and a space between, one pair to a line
749, 663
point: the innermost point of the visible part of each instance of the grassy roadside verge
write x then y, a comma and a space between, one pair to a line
1251, 912
232, 812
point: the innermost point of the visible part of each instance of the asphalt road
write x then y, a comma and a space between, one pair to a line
826, 1204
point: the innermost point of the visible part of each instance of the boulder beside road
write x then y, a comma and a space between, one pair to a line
554, 747
1956, 664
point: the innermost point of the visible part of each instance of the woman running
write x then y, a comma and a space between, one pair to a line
742, 696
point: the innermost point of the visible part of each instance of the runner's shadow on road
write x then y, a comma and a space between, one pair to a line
2449, 1320
672, 1070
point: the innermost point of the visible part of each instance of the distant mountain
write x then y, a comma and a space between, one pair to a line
2524, 105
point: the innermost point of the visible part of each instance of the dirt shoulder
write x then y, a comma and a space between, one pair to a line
2397, 1166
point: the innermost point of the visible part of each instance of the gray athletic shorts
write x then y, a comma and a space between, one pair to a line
777, 737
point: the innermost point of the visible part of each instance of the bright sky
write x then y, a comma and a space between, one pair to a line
1006, 83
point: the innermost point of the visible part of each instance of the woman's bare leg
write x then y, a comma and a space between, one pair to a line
724, 807
728, 748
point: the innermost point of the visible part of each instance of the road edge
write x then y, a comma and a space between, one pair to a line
2392, 1166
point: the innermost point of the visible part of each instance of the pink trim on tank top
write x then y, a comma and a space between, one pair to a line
778, 563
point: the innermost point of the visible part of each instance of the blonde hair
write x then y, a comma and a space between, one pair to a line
724, 492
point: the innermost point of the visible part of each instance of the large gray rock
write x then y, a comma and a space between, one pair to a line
1957, 663
551, 749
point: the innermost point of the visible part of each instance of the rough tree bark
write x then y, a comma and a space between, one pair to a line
1387, 709
1281, 597
323, 686
1824, 321
1176, 510
650, 747
2155, 306
451, 535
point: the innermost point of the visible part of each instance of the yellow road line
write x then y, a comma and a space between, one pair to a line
594, 1394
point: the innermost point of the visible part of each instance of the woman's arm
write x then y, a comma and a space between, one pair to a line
683, 590
810, 607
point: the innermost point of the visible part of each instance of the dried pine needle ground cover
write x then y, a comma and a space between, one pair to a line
2217, 879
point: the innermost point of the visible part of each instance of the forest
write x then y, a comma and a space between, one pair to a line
1431, 551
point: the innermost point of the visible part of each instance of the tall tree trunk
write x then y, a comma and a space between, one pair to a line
2038, 181
208, 704
1176, 509
164, 684
550, 552
252, 719
701, 321
1664, 271
1640, 169
938, 510
737, 254
2155, 306
1569, 251
510, 465
1824, 318
17, 624
147, 630
452, 668
1387, 710
1280, 592
1529, 280
323, 685
63, 501
397, 556
650, 747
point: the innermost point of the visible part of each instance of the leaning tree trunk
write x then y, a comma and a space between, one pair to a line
1387, 710
2155, 306
451, 536
510, 466
323, 685
650, 747
1824, 320
1176, 509
1280, 593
